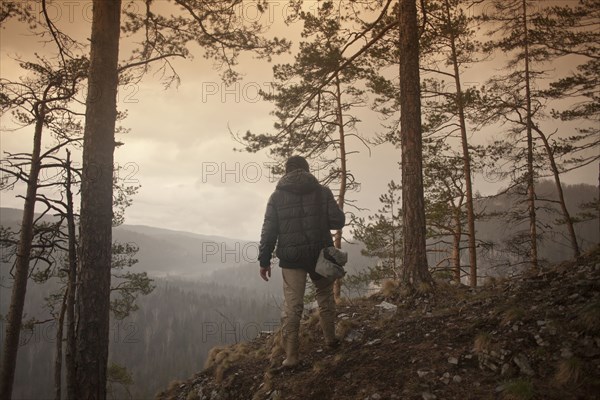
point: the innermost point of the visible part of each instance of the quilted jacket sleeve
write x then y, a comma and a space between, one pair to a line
337, 219
269, 233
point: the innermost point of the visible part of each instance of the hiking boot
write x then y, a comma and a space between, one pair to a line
291, 344
290, 362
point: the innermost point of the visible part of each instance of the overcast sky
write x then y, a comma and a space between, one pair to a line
179, 148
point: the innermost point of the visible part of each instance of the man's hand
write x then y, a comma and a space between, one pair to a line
265, 273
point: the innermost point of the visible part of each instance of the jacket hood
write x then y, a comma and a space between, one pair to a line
298, 181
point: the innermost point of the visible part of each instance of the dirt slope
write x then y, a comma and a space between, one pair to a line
535, 337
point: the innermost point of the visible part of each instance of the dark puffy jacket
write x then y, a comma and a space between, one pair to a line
294, 222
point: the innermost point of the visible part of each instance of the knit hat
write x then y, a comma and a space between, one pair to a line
296, 162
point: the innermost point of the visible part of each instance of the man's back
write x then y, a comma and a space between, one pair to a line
299, 215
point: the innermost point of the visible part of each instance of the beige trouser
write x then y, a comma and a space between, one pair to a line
294, 284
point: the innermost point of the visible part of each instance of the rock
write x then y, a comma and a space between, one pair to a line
456, 379
523, 363
486, 362
310, 307
376, 396
565, 352
500, 388
372, 342
275, 395
539, 340
386, 307
445, 378
353, 336
453, 360
422, 373
428, 396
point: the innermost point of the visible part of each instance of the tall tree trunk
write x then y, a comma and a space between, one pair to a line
561, 196
337, 287
415, 270
17, 300
58, 358
456, 244
533, 255
466, 158
394, 243
96, 202
71, 290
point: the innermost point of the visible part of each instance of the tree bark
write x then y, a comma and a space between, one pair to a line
71, 290
17, 300
466, 158
96, 202
415, 270
533, 254
337, 287
58, 358
456, 267
561, 196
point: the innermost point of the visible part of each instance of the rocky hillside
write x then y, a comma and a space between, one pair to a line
533, 337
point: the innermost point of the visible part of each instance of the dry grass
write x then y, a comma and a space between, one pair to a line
192, 395
222, 358
512, 315
312, 321
344, 326
483, 343
494, 281
569, 371
424, 288
275, 344
171, 392
390, 287
450, 293
589, 317
266, 388
490, 281
212, 356
319, 366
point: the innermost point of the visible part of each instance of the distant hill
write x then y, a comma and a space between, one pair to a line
164, 252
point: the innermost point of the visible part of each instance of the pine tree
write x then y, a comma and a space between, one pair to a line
381, 234
448, 49
415, 272
39, 101
222, 34
533, 39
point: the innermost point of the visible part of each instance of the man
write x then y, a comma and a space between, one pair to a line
300, 214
